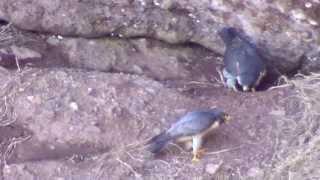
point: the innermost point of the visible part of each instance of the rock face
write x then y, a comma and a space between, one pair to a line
140, 56
98, 78
91, 108
285, 30
88, 125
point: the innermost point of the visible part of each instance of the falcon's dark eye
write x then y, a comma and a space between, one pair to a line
226, 118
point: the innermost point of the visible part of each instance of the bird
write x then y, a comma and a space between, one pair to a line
194, 126
243, 65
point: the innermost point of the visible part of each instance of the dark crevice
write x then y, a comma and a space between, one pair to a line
115, 35
76, 153
3, 22
270, 80
116, 71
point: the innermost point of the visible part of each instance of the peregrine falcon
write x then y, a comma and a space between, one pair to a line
243, 65
194, 126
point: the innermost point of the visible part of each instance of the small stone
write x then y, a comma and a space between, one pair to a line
212, 168
191, 15
30, 98
174, 20
74, 106
59, 37
298, 14
53, 41
313, 22
155, 2
156, 130
59, 178
52, 147
71, 128
34, 99
308, 4
137, 69
277, 112
142, 2
92, 43
163, 120
7, 169
255, 172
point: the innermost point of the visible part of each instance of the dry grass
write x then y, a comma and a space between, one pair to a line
8, 34
6, 114
306, 91
306, 99
13, 142
8, 91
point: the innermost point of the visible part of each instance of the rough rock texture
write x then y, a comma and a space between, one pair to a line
79, 102
9, 55
288, 29
138, 56
90, 108
153, 58
87, 125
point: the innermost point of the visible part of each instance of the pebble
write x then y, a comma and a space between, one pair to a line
156, 130
308, 5
74, 106
212, 168
59, 37
6, 169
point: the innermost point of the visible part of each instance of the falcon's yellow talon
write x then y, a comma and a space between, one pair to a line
197, 156
193, 126
195, 160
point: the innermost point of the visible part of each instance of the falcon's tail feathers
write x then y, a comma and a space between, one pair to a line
157, 143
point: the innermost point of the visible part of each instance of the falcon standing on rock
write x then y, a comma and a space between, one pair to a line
194, 126
244, 66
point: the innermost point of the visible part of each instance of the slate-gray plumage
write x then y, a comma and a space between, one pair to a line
194, 125
243, 66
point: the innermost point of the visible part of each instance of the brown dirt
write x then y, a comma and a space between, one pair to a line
63, 123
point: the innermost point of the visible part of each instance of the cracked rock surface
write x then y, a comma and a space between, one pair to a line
287, 31
90, 124
85, 83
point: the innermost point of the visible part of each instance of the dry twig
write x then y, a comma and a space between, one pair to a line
8, 121
12, 146
17, 63
224, 150
129, 167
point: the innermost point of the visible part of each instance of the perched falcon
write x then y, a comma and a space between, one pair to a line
243, 66
194, 126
